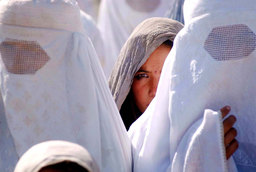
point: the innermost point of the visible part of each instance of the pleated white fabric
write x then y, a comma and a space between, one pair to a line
53, 152
176, 10
118, 18
212, 64
53, 87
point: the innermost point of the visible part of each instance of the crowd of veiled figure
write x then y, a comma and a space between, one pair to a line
70, 102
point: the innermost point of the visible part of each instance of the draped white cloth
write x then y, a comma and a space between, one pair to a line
90, 7
212, 64
53, 152
176, 10
118, 18
53, 87
94, 34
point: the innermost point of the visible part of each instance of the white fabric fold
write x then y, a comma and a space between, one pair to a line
94, 34
67, 96
201, 148
212, 64
90, 7
176, 10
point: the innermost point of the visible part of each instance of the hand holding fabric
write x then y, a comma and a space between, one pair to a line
230, 133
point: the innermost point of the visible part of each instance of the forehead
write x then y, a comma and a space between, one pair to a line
157, 58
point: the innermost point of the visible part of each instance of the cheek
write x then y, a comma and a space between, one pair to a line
139, 88
140, 92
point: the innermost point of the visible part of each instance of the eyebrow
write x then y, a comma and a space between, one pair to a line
142, 70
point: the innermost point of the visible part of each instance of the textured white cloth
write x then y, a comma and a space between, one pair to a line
52, 85
212, 64
176, 10
53, 152
118, 18
94, 34
90, 7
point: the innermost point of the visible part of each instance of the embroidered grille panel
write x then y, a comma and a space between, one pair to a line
143, 5
230, 42
22, 57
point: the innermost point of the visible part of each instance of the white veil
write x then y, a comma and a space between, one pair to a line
94, 34
212, 64
90, 7
52, 85
176, 10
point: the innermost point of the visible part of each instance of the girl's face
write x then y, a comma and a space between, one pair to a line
146, 79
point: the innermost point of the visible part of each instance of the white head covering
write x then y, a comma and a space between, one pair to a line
54, 152
212, 64
118, 18
52, 85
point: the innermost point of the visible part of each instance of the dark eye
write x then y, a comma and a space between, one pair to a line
140, 76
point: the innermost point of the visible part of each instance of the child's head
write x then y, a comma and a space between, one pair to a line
65, 166
56, 156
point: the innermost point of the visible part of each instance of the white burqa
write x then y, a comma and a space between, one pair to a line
53, 87
212, 64
90, 7
176, 10
94, 34
54, 152
118, 18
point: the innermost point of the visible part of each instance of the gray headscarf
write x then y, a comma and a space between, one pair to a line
145, 38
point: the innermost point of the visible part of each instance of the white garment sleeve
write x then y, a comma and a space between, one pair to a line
202, 147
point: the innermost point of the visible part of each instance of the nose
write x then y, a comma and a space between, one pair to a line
153, 86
